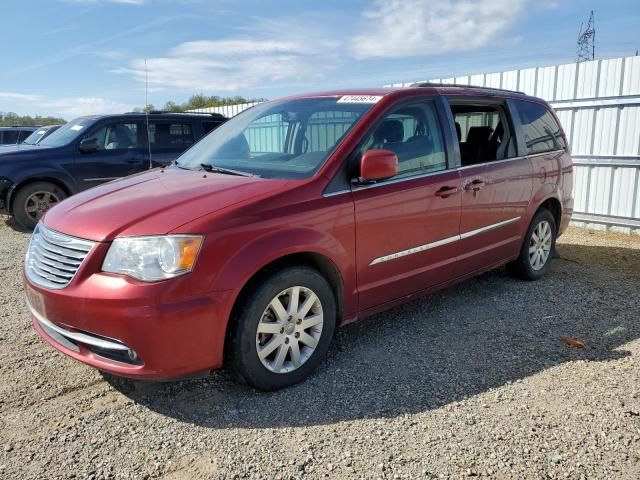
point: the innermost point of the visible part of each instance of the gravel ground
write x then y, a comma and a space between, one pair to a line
471, 381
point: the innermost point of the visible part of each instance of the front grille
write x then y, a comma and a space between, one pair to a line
54, 258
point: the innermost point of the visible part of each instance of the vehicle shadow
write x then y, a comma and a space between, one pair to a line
11, 223
479, 335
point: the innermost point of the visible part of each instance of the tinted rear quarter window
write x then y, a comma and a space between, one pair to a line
539, 127
209, 126
10, 136
170, 136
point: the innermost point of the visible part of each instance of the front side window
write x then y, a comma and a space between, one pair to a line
413, 133
283, 139
540, 129
116, 136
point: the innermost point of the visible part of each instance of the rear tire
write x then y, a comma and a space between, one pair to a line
536, 253
32, 201
282, 330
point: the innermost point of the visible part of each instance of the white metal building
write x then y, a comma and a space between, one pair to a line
598, 104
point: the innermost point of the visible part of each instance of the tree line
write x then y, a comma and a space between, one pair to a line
199, 101
10, 119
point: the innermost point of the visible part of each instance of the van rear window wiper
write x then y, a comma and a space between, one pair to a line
212, 168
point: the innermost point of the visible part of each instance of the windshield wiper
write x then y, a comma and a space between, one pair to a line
212, 168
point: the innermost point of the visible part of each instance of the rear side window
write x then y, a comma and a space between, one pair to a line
10, 136
539, 127
170, 136
23, 134
209, 126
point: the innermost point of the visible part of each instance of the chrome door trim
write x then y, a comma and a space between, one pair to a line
418, 249
444, 241
477, 231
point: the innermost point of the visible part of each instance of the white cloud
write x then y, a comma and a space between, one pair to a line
67, 107
405, 28
280, 51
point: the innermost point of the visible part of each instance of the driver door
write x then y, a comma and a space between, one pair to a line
120, 153
407, 226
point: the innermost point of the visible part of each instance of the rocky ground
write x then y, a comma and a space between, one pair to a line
471, 381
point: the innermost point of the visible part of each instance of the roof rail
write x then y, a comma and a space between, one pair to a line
165, 112
436, 84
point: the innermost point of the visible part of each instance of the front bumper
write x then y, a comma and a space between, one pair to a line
131, 329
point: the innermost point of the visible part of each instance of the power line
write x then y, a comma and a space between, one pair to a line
587, 41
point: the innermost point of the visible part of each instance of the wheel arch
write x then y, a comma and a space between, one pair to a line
28, 181
554, 206
317, 261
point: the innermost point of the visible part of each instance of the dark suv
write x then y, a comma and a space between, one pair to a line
89, 151
15, 135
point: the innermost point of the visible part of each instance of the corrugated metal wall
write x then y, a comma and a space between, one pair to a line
227, 110
598, 104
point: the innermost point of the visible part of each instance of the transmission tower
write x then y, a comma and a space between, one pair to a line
587, 41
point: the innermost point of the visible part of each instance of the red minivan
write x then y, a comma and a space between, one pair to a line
294, 217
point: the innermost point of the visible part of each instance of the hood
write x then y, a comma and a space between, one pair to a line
153, 203
12, 150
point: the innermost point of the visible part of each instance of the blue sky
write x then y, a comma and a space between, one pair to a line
73, 57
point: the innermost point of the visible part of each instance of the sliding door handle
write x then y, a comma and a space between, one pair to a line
475, 185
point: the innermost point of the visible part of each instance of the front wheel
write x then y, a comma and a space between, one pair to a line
282, 330
536, 252
31, 202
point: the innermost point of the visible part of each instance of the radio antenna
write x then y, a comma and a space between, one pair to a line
146, 109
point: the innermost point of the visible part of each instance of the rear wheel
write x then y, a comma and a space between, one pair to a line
283, 330
31, 202
536, 252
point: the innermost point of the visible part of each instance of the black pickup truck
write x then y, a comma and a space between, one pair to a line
89, 151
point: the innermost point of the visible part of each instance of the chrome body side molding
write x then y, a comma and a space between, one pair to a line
444, 241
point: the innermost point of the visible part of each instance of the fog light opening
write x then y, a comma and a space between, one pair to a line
133, 356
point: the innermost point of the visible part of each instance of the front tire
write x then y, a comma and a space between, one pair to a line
535, 255
32, 201
282, 330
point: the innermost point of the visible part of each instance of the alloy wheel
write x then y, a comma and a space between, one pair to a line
540, 245
289, 329
38, 203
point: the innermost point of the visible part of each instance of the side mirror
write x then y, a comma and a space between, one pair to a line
378, 165
89, 145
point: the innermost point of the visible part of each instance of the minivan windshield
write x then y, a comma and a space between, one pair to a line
67, 133
285, 139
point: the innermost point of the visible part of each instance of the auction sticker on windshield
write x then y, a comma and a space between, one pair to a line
360, 99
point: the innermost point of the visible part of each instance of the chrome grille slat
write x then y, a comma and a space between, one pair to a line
74, 264
64, 251
54, 258
56, 265
52, 271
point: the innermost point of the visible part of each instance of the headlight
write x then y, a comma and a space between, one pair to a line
153, 258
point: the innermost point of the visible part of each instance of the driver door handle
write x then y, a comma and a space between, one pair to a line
444, 192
